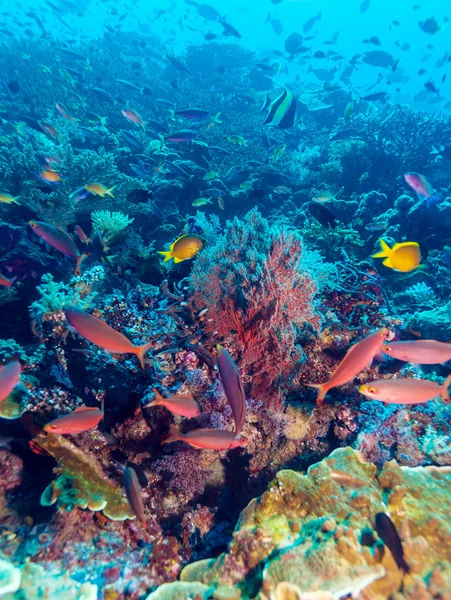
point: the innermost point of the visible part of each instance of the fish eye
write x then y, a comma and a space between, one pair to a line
372, 390
387, 348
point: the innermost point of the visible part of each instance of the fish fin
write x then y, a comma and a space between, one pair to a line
14, 200
141, 352
174, 435
445, 393
386, 250
167, 255
156, 401
405, 245
110, 190
387, 263
80, 259
178, 260
322, 391
84, 408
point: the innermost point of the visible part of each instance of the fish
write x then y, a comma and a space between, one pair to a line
429, 26
206, 439
128, 84
50, 130
405, 391
403, 257
192, 113
292, 44
50, 177
133, 491
97, 189
211, 121
364, 6
323, 198
348, 110
358, 357
78, 195
59, 239
419, 352
237, 140
63, 111
308, 25
233, 387
375, 227
282, 111
376, 96
178, 65
209, 36
387, 532
7, 282
421, 186
215, 192
276, 24
282, 189
278, 152
185, 135
182, 405
233, 172
380, 58
431, 87
81, 419
229, 30
202, 202
132, 140
133, 117
81, 235
184, 248
9, 378
101, 334
346, 479
8, 199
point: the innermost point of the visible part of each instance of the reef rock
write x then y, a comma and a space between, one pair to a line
312, 535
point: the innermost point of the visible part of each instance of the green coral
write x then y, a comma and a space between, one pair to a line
331, 241
11, 349
81, 482
110, 224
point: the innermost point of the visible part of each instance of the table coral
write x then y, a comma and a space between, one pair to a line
80, 482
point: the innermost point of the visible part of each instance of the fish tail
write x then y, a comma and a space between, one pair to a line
445, 393
156, 401
322, 391
110, 190
385, 250
15, 200
167, 255
141, 352
80, 259
174, 435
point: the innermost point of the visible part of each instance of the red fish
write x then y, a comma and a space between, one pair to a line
7, 282
99, 333
207, 439
357, 358
9, 378
133, 116
405, 391
133, 492
233, 387
419, 352
185, 406
59, 239
81, 235
79, 420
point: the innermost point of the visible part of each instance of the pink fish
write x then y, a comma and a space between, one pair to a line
357, 358
59, 239
207, 439
134, 117
185, 405
9, 378
101, 334
233, 387
79, 420
419, 184
405, 391
133, 492
419, 352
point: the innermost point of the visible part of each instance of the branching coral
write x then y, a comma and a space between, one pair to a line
259, 301
110, 224
80, 482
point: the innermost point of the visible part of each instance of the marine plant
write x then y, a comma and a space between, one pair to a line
259, 300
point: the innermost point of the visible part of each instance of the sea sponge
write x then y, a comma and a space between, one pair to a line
80, 482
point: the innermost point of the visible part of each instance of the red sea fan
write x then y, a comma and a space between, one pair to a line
261, 308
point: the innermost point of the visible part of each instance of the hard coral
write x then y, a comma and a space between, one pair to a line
81, 482
259, 301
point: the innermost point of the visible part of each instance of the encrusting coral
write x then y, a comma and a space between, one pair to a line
316, 531
80, 482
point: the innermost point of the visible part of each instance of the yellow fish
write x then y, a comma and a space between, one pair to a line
238, 140
99, 190
8, 199
184, 248
202, 201
402, 257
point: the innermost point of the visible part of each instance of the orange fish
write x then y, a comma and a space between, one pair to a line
7, 282
133, 116
9, 378
207, 439
51, 177
99, 333
79, 420
405, 391
357, 358
59, 239
185, 406
419, 352
63, 111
